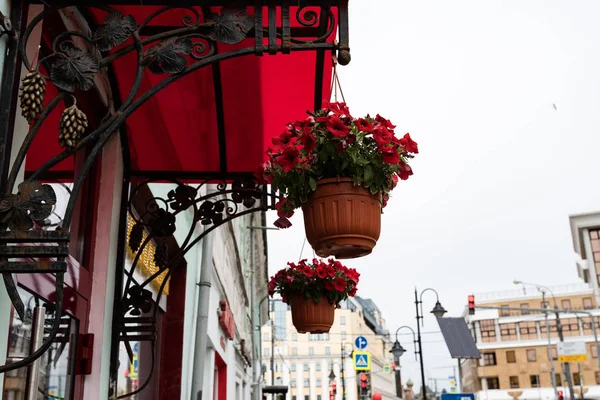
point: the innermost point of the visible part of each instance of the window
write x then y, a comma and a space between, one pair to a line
294, 397
503, 312
524, 305
489, 358
343, 335
511, 357
558, 379
311, 351
293, 369
531, 356
534, 380
508, 332
597, 376
293, 383
554, 354
330, 365
318, 382
305, 367
576, 379
294, 336
514, 382
318, 337
565, 304
488, 330
306, 383
327, 350
593, 351
266, 337
587, 303
266, 352
294, 351
493, 383
342, 320
306, 397
318, 366
318, 397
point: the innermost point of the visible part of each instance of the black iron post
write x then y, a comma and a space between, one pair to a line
566, 366
423, 384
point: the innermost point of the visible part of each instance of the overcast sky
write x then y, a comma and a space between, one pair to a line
500, 169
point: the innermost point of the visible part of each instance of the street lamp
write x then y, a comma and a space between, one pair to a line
397, 351
439, 312
332, 376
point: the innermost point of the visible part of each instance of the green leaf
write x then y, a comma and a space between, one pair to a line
313, 183
368, 174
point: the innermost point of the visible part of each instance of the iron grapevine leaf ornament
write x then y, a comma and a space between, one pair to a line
230, 26
33, 202
167, 57
74, 69
117, 29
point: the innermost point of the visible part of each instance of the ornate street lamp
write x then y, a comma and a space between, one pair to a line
439, 312
397, 351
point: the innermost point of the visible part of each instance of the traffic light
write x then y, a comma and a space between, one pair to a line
471, 304
560, 395
364, 384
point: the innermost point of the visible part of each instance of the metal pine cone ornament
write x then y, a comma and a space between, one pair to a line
73, 123
32, 91
161, 255
136, 236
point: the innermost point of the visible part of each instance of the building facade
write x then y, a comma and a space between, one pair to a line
305, 362
519, 348
585, 232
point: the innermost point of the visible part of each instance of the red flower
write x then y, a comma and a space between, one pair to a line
385, 199
382, 136
282, 223
404, 171
340, 284
394, 180
308, 272
330, 271
363, 125
284, 208
307, 139
353, 275
328, 286
353, 291
339, 109
288, 159
409, 144
384, 122
321, 272
336, 127
390, 155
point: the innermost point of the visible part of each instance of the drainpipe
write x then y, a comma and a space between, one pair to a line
255, 318
201, 342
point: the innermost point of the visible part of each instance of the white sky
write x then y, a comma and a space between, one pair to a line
500, 169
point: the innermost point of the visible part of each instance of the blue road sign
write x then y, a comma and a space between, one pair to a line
136, 348
362, 361
457, 396
361, 342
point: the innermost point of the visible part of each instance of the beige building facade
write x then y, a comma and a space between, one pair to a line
516, 356
304, 362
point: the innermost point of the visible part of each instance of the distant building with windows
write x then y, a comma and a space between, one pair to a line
515, 360
304, 362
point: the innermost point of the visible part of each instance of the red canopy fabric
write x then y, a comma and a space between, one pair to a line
177, 129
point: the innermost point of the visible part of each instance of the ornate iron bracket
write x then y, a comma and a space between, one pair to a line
75, 61
6, 26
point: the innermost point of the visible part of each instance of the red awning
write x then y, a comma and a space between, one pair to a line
178, 128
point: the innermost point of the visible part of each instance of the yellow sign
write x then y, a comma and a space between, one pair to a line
387, 369
362, 361
133, 368
573, 358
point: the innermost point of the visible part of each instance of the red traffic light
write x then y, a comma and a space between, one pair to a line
363, 377
333, 385
471, 304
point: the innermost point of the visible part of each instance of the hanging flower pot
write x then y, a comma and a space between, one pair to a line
342, 219
313, 291
340, 170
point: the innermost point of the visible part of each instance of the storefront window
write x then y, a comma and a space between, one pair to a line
55, 372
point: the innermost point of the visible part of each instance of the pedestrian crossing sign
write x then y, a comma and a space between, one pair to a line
362, 361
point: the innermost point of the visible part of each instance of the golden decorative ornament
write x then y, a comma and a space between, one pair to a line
32, 91
73, 124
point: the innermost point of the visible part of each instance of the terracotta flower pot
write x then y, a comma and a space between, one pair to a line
309, 316
342, 219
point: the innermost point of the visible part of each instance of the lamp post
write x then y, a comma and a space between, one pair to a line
332, 382
397, 351
566, 366
342, 362
439, 312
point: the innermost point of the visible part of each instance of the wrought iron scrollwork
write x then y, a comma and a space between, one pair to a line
76, 61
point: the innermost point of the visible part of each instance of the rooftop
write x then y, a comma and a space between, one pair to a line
531, 292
